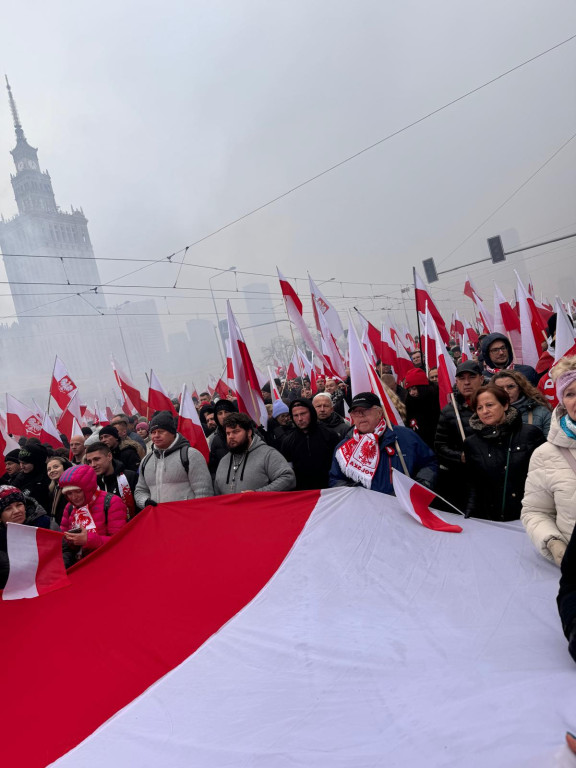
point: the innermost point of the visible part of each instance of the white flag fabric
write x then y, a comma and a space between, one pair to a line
297, 630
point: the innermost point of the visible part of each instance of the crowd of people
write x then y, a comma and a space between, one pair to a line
496, 451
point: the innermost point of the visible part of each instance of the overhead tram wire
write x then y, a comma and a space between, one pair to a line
348, 159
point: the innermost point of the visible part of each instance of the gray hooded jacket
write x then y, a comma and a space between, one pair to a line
261, 468
164, 477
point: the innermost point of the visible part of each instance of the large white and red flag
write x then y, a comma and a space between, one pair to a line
295, 313
189, 424
129, 390
21, 420
246, 383
49, 434
36, 564
158, 399
428, 339
216, 387
388, 354
364, 378
322, 307
275, 628
331, 351
61, 386
416, 499
423, 297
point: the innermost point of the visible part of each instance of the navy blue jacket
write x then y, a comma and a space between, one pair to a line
420, 459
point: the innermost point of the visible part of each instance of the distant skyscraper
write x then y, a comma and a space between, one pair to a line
58, 300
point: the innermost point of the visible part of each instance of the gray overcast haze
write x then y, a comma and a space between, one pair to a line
165, 121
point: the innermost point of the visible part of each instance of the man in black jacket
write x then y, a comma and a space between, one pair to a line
309, 447
327, 416
449, 443
112, 476
218, 446
127, 455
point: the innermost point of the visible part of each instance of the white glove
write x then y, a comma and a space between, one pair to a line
556, 549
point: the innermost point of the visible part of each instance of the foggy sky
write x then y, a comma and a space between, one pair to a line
165, 121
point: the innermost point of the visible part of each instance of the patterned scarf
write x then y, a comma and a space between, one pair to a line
125, 493
82, 517
358, 457
568, 426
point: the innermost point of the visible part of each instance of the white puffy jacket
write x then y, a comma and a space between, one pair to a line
549, 504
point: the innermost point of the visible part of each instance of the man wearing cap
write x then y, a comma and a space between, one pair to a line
453, 427
369, 456
126, 454
173, 471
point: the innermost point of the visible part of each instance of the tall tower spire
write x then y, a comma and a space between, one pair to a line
15, 116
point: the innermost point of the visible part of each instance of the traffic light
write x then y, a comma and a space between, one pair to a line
496, 249
430, 270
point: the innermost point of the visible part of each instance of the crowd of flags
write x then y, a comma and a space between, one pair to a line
523, 320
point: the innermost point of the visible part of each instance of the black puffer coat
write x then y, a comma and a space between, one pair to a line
497, 460
310, 452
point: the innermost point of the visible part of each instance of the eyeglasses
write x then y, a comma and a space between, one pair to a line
497, 349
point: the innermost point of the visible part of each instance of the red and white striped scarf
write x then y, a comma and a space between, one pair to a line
358, 457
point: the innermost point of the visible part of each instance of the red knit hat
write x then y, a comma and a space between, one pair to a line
415, 378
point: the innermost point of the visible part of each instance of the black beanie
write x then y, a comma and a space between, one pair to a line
33, 454
163, 420
13, 455
109, 430
225, 405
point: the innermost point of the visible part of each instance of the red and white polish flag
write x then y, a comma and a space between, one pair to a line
189, 424
323, 307
62, 388
276, 628
273, 388
416, 499
36, 564
423, 297
158, 399
71, 414
20, 420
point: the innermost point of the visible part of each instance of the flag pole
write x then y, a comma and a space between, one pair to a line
417, 313
50, 388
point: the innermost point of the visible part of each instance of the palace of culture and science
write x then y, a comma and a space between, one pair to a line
57, 307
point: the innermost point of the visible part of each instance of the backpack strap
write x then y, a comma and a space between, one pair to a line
530, 417
107, 502
184, 457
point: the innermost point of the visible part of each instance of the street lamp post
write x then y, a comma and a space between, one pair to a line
219, 334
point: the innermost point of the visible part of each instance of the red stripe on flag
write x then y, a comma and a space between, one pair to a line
104, 615
421, 499
50, 573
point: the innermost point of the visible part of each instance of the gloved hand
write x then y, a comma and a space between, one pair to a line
556, 549
150, 503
